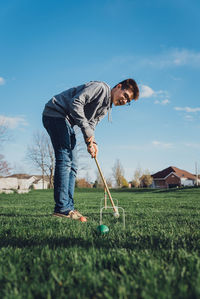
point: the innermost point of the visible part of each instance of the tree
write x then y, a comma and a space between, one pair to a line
4, 167
124, 182
136, 177
109, 182
118, 173
41, 154
82, 183
142, 178
99, 183
84, 159
4, 136
146, 179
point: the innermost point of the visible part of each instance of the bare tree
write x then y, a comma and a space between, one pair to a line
41, 154
4, 166
18, 168
109, 182
4, 135
99, 183
136, 177
118, 173
83, 156
142, 178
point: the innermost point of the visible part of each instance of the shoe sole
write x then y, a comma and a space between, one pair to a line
68, 216
61, 215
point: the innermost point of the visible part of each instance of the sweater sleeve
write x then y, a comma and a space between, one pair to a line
76, 106
93, 123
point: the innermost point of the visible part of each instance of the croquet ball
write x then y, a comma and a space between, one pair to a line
102, 229
83, 219
116, 215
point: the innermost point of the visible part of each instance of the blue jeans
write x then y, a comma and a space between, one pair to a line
64, 143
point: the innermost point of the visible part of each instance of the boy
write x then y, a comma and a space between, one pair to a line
84, 106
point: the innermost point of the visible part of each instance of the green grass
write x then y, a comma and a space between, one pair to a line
156, 256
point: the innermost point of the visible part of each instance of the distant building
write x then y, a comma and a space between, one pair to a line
23, 182
40, 184
173, 177
8, 183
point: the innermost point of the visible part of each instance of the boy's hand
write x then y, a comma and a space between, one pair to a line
92, 147
92, 150
95, 149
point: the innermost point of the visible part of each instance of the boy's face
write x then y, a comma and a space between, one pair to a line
120, 96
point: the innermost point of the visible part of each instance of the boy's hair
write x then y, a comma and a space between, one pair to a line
132, 85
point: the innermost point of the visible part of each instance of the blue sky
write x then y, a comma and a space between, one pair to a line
49, 46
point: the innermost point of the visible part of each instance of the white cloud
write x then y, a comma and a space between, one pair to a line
162, 144
174, 57
185, 57
169, 58
165, 102
2, 81
187, 109
160, 95
146, 91
162, 102
13, 122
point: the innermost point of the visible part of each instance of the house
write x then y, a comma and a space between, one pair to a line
173, 177
40, 184
8, 183
23, 182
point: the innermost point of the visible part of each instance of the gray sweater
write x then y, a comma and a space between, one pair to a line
84, 105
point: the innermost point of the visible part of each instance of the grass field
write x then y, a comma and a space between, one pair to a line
156, 256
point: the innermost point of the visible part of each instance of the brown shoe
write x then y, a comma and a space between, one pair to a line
73, 215
78, 213
61, 214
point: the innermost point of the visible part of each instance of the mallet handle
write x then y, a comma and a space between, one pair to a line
105, 184
105, 198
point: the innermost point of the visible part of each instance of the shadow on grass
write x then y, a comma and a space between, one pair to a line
186, 189
151, 242
24, 215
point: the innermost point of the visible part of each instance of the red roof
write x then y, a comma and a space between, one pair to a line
179, 172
